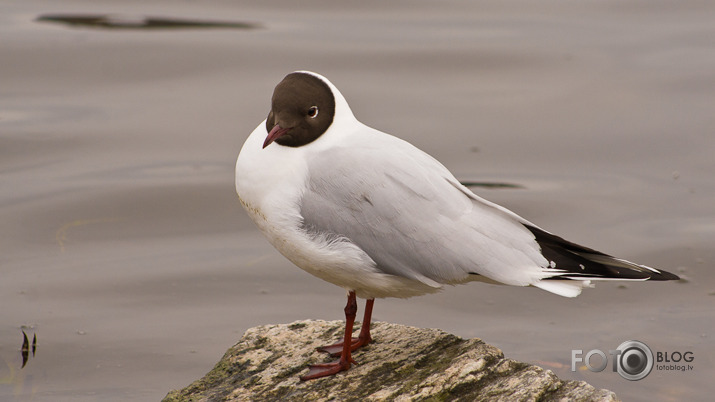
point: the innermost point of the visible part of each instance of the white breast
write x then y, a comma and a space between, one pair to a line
270, 184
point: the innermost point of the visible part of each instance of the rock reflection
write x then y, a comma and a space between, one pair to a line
119, 21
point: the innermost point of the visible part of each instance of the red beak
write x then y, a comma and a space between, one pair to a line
276, 132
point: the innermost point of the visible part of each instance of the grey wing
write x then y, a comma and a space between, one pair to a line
409, 214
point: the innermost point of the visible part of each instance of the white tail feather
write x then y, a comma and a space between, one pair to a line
563, 288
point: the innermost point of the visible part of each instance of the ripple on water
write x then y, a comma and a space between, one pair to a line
140, 22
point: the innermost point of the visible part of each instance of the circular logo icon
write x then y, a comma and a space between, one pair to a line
635, 361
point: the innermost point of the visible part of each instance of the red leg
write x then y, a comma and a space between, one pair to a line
342, 364
363, 339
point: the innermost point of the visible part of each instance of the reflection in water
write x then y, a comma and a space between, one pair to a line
485, 184
25, 350
114, 21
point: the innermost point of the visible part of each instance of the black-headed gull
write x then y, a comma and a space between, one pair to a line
375, 215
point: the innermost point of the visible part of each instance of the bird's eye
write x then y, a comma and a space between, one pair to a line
313, 112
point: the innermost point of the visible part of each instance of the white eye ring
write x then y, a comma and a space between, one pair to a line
313, 112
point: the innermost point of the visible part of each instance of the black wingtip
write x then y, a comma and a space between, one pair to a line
579, 262
664, 276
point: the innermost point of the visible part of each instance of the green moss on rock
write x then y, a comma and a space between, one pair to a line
403, 363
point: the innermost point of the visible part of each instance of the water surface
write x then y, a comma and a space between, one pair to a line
123, 248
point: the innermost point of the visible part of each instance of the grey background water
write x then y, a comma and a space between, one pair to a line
124, 249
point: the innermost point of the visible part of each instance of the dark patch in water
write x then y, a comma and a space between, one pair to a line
115, 21
25, 350
485, 184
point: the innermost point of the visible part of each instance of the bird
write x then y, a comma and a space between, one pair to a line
377, 216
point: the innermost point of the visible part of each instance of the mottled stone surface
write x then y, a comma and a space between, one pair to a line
403, 364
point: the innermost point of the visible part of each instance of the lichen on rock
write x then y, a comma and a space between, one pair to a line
402, 364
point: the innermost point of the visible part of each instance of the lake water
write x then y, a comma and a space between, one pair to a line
124, 250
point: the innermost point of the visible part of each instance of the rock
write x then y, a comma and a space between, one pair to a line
402, 364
